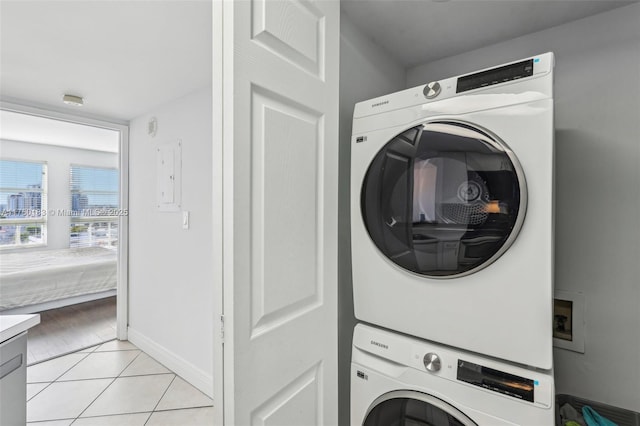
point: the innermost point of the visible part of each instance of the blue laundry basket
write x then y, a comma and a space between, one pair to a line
620, 416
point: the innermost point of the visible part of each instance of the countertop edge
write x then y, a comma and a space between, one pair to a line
12, 325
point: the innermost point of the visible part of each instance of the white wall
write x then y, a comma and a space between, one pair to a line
170, 269
597, 100
366, 71
59, 160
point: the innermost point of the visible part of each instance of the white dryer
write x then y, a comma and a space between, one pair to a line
452, 211
400, 380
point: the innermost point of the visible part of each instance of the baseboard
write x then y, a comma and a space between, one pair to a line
183, 368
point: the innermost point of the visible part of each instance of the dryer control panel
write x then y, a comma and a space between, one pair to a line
496, 75
517, 80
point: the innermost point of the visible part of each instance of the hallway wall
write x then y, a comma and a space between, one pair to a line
170, 272
366, 71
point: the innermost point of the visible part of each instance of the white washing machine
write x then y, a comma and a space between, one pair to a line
401, 380
452, 211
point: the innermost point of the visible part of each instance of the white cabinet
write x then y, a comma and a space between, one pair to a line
13, 381
13, 368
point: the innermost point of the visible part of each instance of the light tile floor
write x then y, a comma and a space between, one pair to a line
112, 384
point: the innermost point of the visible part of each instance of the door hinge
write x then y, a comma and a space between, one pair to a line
222, 328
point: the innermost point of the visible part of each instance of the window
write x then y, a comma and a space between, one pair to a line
23, 204
94, 207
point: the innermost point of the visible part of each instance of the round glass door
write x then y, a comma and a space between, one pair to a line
443, 199
404, 408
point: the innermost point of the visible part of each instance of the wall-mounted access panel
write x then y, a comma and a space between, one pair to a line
169, 176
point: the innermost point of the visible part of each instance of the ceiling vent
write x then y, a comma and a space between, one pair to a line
73, 100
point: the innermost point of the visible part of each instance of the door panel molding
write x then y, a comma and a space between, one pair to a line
294, 31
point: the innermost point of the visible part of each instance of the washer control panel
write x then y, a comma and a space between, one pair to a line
499, 378
499, 381
431, 90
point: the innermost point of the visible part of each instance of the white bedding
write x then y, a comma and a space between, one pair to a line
32, 277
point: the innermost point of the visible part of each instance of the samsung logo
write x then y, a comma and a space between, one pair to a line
382, 345
379, 104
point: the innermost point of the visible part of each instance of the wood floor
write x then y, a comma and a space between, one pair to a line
72, 328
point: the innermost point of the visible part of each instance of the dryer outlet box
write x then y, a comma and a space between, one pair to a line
568, 321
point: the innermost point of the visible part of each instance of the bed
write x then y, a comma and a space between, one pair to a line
29, 278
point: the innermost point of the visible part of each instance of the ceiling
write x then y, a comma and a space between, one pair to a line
127, 57
34, 129
421, 31
123, 57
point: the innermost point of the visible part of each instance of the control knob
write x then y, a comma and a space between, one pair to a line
431, 90
432, 362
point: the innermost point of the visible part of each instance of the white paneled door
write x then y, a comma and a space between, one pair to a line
279, 110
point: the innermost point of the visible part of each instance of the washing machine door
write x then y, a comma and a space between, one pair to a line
407, 408
444, 199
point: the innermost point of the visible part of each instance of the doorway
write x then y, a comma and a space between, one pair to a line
63, 229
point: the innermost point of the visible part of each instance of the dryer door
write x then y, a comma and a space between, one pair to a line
443, 199
405, 408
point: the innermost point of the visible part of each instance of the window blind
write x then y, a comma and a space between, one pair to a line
94, 203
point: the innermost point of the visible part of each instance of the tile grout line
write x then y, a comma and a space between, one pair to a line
54, 380
94, 400
71, 352
44, 422
196, 407
199, 407
120, 375
162, 396
108, 415
113, 377
37, 393
95, 378
107, 387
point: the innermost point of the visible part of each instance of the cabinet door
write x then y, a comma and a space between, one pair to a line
13, 381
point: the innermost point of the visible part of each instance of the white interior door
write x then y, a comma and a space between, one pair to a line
280, 150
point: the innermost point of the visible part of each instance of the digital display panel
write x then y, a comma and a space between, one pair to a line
495, 76
496, 380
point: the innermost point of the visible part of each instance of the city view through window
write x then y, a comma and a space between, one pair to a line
23, 203
91, 206
94, 207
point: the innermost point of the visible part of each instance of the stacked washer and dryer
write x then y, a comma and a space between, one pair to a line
452, 250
